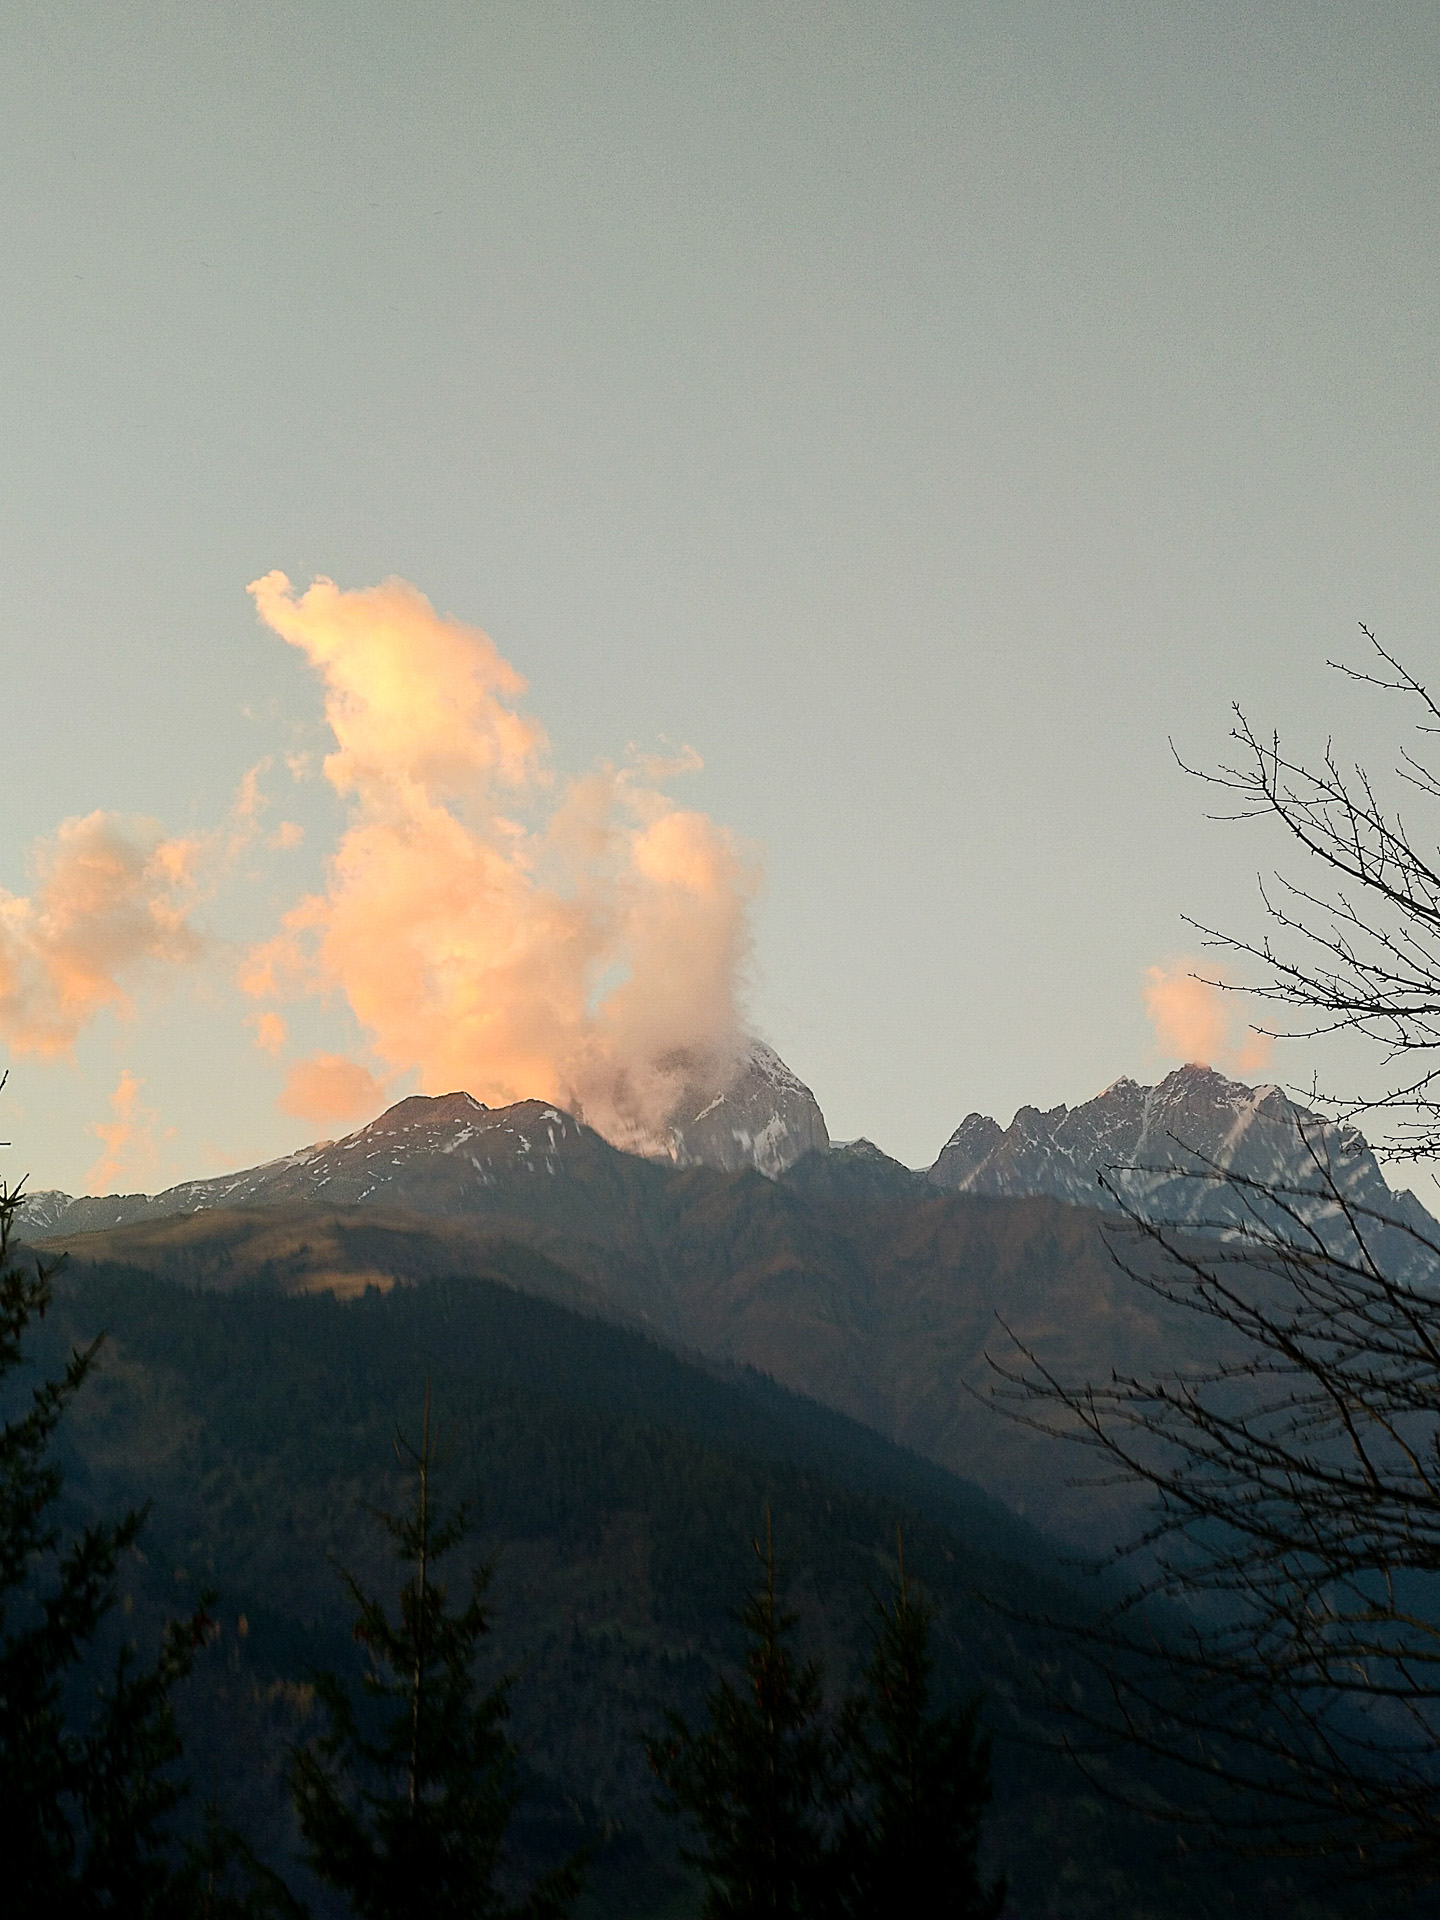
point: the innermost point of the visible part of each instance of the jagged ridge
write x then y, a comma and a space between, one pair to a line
1143, 1138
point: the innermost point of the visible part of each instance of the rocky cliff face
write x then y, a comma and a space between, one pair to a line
764, 1118
1144, 1138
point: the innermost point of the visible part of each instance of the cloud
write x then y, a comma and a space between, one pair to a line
131, 1154
329, 1087
271, 1032
110, 902
1255, 1052
249, 802
1196, 1021
491, 927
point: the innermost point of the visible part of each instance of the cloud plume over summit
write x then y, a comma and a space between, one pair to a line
1198, 1022
491, 925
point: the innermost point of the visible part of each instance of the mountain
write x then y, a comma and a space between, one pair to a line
1194, 1117
618, 1487
850, 1279
316, 1291
763, 1117
527, 1172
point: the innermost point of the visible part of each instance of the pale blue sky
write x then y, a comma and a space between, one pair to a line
923, 411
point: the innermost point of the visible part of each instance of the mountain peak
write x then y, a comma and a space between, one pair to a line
753, 1113
420, 1109
1155, 1139
761, 1116
853, 1170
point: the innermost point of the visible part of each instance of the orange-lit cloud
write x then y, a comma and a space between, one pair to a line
128, 1138
111, 899
330, 1087
1195, 1021
249, 802
271, 1032
491, 928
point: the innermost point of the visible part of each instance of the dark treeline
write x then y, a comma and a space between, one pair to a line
617, 1489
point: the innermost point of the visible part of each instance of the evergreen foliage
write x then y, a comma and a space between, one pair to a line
629, 1481
410, 1820
919, 1778
223, 1880
758, 1783
874, 1813
82, 1810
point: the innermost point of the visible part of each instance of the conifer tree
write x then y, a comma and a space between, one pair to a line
919, 1780
407, 1817
82, 1808
758, 1782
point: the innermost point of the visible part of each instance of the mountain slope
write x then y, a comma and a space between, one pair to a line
881, 1307
534, 1171
621, 1487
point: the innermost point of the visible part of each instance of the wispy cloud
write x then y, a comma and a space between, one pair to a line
111, 902
132, 1155
1196, 1021
328, 1086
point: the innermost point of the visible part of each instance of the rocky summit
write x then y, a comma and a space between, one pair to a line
763, 1117
439, 1154
1149, 1144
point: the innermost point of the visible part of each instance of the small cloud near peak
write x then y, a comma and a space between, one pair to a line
1196, 1021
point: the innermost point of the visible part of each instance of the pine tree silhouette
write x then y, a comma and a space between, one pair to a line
410, 1820
83, 1809
756, 1782
919, 1779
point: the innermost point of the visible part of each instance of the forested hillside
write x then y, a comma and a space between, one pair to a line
619, 1486
875, 1295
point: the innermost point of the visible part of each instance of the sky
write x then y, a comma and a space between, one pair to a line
869, 436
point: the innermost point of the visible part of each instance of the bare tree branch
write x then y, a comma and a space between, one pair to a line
1275, 1649
1359, 950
